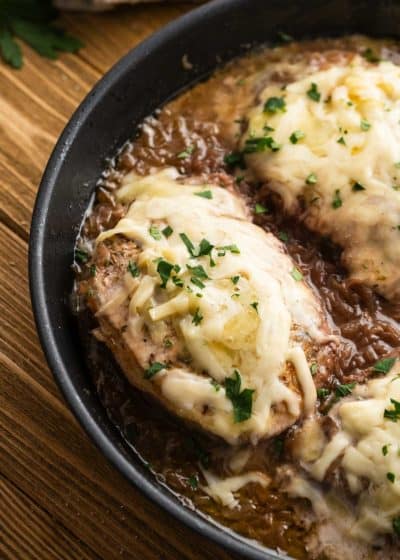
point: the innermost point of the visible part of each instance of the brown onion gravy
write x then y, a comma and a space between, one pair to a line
194, 133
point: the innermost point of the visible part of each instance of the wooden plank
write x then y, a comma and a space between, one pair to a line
45, 454
28, 533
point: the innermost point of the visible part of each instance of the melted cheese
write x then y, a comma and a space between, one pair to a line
222, 490
251, 324
352, 135
367, 450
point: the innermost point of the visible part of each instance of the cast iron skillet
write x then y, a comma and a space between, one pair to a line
143, 80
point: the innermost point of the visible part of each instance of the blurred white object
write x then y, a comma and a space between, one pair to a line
97, 4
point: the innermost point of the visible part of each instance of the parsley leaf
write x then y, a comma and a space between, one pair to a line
385, 449
193, 482
186, 152
260, 144
396, 525
235, 158
391, 477
133, 269
155, 233
313, 92
235, 279
296, 136
164, 269
365, 125
296, 274
9, 49
393, 414
189, 245
369, 55
384, 365
311, 179
337, 201
242, 401
322, 393
344, 390
204, 194
275, 104
260, 209
283, 236
167, 231
152, 370
254, 305
197, 317
81, 256
357, 187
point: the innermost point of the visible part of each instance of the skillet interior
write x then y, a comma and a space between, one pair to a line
133, 89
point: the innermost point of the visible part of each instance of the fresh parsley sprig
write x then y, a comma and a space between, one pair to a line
31, 21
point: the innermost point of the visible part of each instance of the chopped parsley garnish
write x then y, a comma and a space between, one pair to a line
391, 477
155, 233
186, 152
344, 390
313, 92
198, 271
384, 365
311, 179
216, 385
357, 187
188, 243
254, 305
323, 393
275, 104
242, 401
193, 482
231, 248
235, 279
81, 256
365, 125
283, 236
260, 144
197, 282
239, 179
369, 55
337, 201
205, 248
396, 525
313, 368
168, 343
167, 231
393, 414
260, 209
177, 281
133, 269
92, 270
341, 140
164, 269
155, 368
205, 194
197, 317
385, 449
296, 136
234, 158
296, 274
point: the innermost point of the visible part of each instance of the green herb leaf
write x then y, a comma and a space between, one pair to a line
235, 158
260, 209
133, 269
155, 233
311, 179
9, 49
189, 245
384, 365
313, 368
204, 194
197, 317
358, 187
205, 248
296, 274
197, 282
254, 305
284, 37
313, 92
369, 55
155, 368
164, 269
344, 390
296, 136
365, 125
193, 482
337, 201
167, 231
275, 104
235, 279
242, 401
186, 152
81, 256
385, 449
391, 477
216, 385
198, 271
341, 140
392, 414
396, 525
283, 236
231, 248
323, 393
260, 144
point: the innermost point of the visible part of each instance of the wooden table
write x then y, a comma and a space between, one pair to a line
59, 498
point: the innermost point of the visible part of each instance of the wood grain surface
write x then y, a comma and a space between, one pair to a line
59, 498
